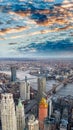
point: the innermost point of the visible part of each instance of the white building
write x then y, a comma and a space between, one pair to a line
20, 116
33, 124
8, 117
25, 91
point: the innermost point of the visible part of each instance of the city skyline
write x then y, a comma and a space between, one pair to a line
50, 92
36, 29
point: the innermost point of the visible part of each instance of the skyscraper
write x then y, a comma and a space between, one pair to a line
43, 112
8, 117
20, 116
25, 90
33, 124
13, 73
41, 87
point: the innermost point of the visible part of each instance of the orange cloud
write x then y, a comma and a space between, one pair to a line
59, 15
21, 13
12, 30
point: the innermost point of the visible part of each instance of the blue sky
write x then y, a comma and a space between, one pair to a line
36, 28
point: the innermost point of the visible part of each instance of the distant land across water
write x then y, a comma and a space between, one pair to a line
36, 59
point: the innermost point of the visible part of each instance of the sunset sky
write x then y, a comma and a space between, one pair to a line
36, 28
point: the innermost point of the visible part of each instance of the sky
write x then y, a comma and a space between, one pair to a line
36, 28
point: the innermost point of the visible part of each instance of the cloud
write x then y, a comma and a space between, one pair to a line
20, 14
61, 45
12, 43
2, 38
44, 23
49, 0
12, 30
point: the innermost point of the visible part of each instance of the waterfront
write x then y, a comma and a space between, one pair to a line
64, 91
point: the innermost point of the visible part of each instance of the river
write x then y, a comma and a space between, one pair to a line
68, 90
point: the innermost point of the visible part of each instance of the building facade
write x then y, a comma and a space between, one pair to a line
8, 117
43, 112
33, 124
24, 91
20, 116
49, 124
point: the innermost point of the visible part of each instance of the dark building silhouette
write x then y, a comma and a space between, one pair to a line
13, 73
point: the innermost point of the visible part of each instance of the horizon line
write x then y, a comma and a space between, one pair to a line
34, 58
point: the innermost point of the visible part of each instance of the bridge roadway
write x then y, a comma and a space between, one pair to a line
30, 105
57, 87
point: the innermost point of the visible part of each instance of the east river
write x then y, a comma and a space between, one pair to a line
64, 91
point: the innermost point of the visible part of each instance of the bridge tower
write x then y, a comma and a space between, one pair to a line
41, 87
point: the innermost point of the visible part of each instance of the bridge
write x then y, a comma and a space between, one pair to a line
57, 87
54, 89
30, 105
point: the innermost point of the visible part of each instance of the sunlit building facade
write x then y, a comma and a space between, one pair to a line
8, 117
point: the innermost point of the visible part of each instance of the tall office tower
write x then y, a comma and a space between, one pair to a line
25, 90
41, 87
49, 124
43, 112
13, 73
33, 124
8, 117
20, 116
